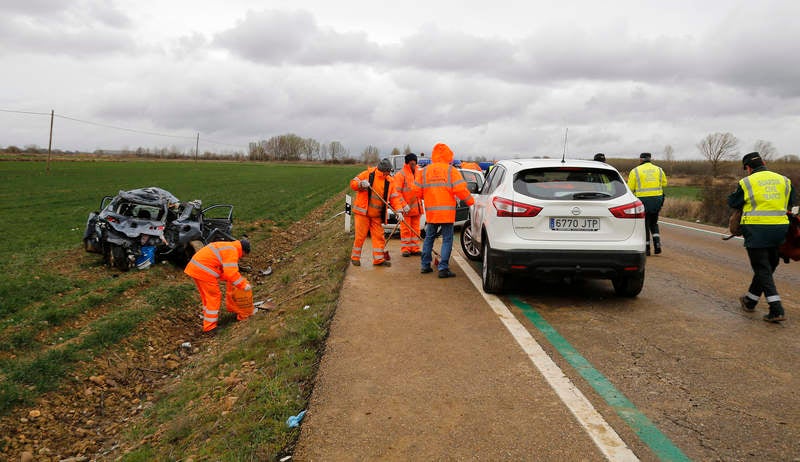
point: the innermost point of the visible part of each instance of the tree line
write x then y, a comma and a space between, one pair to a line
715, 148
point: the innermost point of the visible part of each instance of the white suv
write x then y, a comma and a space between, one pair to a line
557, 218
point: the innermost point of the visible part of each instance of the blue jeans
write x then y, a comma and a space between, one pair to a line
446, 230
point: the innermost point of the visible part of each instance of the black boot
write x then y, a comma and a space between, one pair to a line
776, 313
657, 244
647, 250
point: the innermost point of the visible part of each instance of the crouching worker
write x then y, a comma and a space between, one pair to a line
219, 261
374, 189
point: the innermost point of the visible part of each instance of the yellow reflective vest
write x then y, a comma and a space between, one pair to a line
647, 180
766, 198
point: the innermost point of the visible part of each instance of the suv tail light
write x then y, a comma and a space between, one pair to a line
632, 210
509, 208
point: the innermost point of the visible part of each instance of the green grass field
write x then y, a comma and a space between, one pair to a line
41, 214
683, 192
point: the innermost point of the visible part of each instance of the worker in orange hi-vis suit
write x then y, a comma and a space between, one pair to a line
404, 181
441, 185
369, 211
219, 261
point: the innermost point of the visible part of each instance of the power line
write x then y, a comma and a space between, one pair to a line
123, 128
114, 127
25, 112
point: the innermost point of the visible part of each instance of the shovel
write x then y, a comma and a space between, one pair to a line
435, 253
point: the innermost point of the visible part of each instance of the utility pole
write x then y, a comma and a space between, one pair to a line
197, 147
50, 143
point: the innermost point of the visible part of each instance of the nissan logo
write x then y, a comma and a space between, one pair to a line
576, 210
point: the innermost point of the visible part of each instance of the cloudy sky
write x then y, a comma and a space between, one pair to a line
499, 79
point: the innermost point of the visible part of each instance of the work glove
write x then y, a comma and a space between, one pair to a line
399, 216
405, 209
364, 184
248, 287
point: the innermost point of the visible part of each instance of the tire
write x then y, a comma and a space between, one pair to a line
629, 285
468, 245
492, 280
118, 258
191, 249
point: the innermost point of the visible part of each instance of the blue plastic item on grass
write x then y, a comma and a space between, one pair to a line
147, 258
294, 421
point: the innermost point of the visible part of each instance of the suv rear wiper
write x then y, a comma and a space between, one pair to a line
590, 195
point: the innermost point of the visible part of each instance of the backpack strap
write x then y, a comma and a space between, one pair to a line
369, 192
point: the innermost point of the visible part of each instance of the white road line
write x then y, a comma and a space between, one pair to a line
606, 439
697, 229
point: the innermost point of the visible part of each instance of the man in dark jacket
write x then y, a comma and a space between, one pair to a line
764, 198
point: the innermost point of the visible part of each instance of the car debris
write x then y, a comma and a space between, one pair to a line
140, 227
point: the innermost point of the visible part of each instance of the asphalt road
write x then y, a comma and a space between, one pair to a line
422, 368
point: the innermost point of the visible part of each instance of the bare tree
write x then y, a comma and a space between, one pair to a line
371, 155
765, 149
717, 147
337, 150
311, 148
395, 152
669, 153
407, 150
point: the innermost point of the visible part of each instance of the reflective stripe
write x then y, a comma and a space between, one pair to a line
773, 298
230, 264
205, 268
359, 209
435, 185
765, 213
236, 282
210, 312
441, 207
206, 319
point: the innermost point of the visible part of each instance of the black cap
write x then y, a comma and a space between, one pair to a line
411, 156
245, 245
752, 160
600, 157
645, 156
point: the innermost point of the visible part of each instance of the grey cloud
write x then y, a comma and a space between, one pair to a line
59, 28
436, 50
277, 37
760, 52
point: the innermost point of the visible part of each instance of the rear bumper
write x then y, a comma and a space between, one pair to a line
561, 263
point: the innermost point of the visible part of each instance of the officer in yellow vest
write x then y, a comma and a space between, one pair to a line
764, 198
647, 181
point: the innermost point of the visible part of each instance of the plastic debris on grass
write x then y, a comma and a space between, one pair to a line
294, 421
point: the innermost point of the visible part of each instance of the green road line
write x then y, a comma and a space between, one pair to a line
641, 425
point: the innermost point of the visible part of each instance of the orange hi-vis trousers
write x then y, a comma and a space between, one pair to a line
372, 226
409, 240
211, 298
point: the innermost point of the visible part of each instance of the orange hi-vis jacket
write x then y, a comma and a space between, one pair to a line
218, 260
405, 183
367, 203
441, 183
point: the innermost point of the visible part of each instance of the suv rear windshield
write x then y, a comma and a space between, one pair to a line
573, 183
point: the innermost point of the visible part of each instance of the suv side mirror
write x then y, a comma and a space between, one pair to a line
472, 187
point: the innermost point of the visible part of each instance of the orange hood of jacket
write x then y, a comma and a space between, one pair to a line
442, 153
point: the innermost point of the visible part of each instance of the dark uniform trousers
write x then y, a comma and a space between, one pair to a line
764, 261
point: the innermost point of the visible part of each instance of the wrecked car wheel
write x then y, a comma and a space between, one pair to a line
193, 247
118, 258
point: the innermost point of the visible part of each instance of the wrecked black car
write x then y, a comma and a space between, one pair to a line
142, 226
